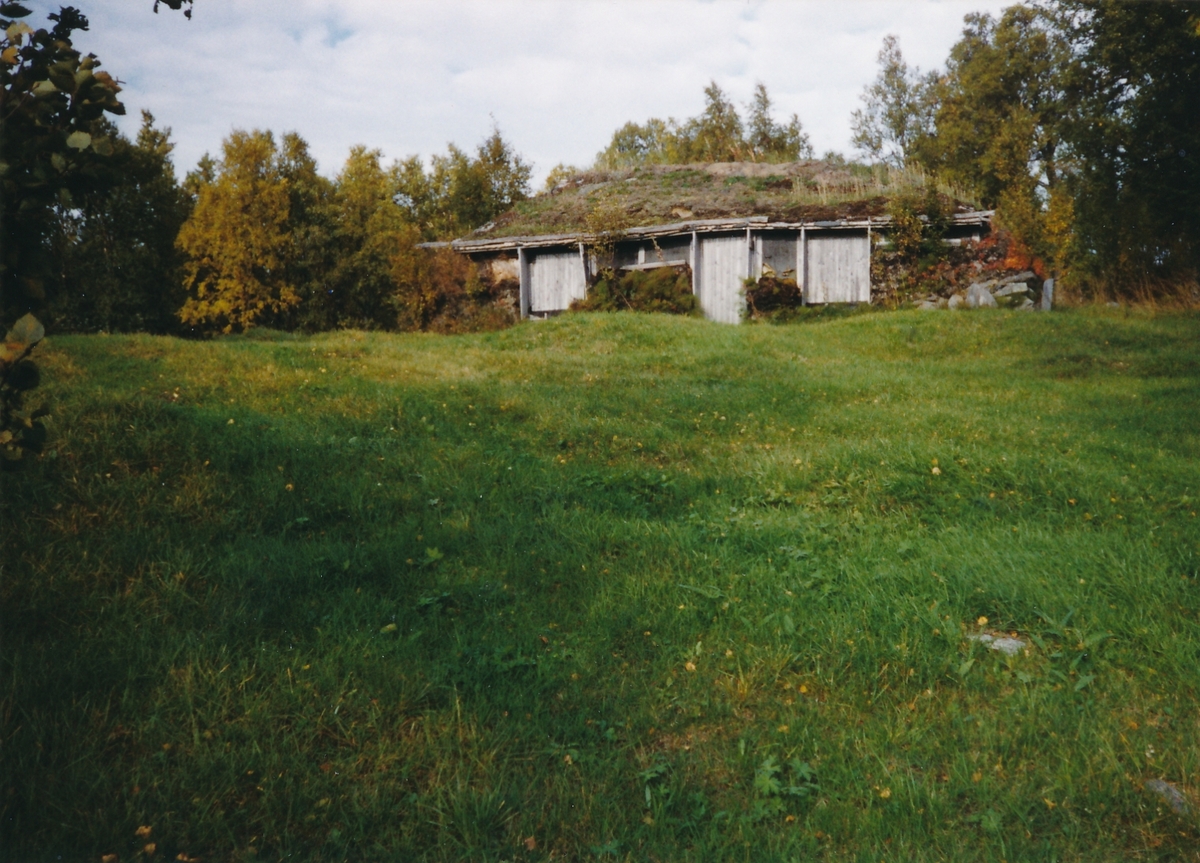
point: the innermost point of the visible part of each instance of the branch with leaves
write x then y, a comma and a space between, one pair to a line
52, 97
20, 428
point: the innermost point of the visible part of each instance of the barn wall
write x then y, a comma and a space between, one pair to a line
674, 250
555, 279
669, 250
838, 268
834, 266
627, 254
778, 251
724, 263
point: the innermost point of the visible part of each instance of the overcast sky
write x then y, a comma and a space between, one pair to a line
558, 77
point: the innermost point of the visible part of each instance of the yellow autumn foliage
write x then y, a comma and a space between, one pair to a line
238, 239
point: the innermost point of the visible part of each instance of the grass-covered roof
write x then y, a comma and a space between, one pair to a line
658, 194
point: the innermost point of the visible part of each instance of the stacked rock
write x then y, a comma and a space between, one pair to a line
1013, 292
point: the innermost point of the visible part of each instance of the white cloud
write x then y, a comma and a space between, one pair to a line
558, 77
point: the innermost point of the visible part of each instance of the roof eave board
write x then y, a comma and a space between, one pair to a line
706, 226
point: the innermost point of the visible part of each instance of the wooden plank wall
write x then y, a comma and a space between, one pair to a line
838, 268
834, 266
779, 253
523, 273
724, 262
555, 280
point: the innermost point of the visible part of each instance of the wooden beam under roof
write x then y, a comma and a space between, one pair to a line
706, 226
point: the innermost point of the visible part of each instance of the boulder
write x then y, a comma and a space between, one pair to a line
942, 303
979, 297
927, 306
1047, 294
1023, 276
1026, 305
956, 301
1170, 794
1003, 643
1011, 288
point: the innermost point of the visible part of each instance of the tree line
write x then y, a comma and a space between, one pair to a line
717, 134
270, 241
98, 234
1079, 122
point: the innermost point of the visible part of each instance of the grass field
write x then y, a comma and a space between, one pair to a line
610, 587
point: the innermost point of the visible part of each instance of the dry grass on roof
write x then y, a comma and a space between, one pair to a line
658, 194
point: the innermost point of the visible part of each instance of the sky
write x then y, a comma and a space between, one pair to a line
556, 77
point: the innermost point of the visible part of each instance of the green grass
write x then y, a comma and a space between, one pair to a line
626, 587
658, 194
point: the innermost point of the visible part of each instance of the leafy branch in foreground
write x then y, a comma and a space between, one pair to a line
20, 429
53, 151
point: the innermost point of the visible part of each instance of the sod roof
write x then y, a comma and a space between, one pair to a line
658, 194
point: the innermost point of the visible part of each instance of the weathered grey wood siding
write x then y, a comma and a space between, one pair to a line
724, 261
523, 270
555, 280
665, 250
839, 268
672, 250
778, 251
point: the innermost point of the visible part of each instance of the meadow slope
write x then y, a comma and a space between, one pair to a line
610, 587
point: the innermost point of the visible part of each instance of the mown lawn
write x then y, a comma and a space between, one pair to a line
610, 587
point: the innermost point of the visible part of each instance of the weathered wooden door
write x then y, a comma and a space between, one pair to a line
555, 280
724, 262
839, 268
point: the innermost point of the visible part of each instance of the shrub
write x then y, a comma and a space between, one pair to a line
662, 289
443, 291
771, 295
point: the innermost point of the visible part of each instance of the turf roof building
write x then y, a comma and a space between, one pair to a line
824, 246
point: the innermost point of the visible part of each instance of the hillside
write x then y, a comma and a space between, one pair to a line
614, 587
